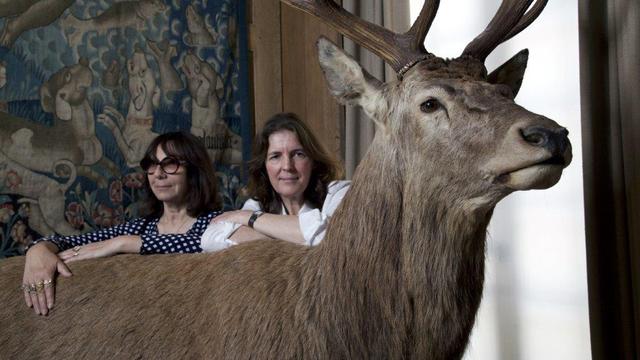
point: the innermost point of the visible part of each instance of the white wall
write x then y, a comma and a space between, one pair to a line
535, 299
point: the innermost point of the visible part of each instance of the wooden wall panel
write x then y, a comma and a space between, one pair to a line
304, 88
284, 37
266, 59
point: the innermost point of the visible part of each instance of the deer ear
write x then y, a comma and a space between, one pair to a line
511, 72
348, 82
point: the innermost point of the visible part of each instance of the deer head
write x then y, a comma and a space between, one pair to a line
447, 120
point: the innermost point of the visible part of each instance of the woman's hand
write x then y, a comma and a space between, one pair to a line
119, 244
240, 217
40, 269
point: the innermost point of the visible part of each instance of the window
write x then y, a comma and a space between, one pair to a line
535, 299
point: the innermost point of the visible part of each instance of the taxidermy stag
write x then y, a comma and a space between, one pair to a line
400, 271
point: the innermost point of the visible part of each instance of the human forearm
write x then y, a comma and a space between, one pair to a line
118, 245
63, 243
245, 234
129, 244
284, 227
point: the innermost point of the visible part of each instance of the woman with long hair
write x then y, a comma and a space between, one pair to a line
182, 200
293, 185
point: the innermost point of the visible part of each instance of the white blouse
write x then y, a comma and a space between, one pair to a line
313, 221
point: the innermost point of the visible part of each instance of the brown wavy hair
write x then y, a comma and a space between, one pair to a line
325, 167
202, 195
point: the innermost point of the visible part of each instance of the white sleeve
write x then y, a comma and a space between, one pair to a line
251, 205
313, 224
216, 236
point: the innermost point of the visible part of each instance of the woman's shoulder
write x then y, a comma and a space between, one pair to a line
204, 219
252, 204
337, 185
142, 220
210, 214
336, 191
143, 224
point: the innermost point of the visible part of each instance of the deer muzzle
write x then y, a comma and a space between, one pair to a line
555, 141
532, 156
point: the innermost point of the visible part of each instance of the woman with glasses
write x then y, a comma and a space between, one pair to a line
182, 200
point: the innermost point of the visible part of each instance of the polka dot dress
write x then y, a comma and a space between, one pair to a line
152, 241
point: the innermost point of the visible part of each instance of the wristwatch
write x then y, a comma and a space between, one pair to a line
256, 214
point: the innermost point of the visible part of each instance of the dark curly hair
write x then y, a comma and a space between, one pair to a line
325, 167
202, 195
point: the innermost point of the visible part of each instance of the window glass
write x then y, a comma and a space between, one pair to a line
535, 298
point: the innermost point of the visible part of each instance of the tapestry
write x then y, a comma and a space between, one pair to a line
85, 85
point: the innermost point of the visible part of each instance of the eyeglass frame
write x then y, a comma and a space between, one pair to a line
167, 161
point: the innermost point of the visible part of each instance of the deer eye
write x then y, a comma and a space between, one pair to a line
430, 105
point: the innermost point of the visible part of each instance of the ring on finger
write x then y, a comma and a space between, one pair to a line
39, 286
32, 288
47, 283
76, 250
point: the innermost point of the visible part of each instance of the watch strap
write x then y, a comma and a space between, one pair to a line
256, 214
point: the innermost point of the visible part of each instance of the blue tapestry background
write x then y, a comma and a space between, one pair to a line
84, 87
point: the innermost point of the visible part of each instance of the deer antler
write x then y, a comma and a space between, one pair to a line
400, 51
421, 26
511, 18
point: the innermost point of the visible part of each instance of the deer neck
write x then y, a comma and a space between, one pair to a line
347, 269
411, 258
442, 263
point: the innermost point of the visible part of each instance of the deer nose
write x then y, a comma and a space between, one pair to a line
554, 140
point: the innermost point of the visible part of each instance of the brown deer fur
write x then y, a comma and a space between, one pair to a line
398, 275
